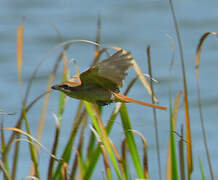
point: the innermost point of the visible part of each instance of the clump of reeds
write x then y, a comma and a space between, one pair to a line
85, 161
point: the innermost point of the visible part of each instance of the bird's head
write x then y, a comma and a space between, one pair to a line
67, 87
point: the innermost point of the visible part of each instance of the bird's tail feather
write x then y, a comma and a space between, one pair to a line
123, 98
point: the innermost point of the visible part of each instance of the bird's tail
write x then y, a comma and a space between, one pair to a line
123, 98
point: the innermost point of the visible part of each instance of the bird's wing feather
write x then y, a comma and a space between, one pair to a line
110, 72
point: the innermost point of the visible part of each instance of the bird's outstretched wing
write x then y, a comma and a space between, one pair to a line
109, 73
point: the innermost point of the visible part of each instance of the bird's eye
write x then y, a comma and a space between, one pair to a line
65, 86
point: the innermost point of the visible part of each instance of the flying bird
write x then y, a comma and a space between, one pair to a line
101, 83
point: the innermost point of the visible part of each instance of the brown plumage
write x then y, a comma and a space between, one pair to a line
101, 83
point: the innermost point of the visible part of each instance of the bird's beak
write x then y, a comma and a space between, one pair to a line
56, 87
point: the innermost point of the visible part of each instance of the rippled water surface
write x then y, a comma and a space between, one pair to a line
131, 25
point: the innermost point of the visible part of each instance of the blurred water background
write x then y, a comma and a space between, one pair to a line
131, 25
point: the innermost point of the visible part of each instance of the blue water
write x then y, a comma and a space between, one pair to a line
131, 25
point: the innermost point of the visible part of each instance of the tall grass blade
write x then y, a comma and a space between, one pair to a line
172, 169
154, 114
124, 156
199, 48
181, 155
31, 147
131, 141
188, 128
97, 123
80, 146
2, 135
169, 158
69, 146
201, 169
20, 32
106, 162
80, 166
15, 159
54, 150
145, 150
4, 157
122, 163
197, 64
5, 172
64, 171
62, 102
91, 146
20, 49
173, 119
